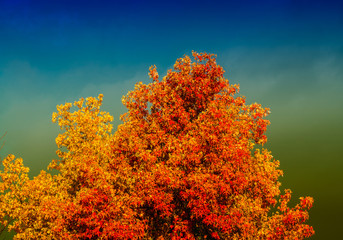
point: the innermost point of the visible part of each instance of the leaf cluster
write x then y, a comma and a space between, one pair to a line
183, 165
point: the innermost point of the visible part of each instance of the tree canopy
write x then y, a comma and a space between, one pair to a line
186, 163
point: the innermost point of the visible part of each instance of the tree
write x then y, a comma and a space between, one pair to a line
185, 164
193, 155
88, 198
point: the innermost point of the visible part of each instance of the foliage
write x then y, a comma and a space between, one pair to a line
183, 165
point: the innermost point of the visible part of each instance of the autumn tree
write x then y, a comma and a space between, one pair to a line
191, 144
89, 198
187, 163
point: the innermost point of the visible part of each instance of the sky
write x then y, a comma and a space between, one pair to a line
286, 55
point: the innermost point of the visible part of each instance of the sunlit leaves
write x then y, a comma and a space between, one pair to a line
185, 164
191, 143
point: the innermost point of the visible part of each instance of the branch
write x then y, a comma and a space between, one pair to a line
5, 226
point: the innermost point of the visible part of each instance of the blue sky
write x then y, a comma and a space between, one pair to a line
287, 55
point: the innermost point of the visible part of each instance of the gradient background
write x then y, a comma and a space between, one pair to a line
286, 55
